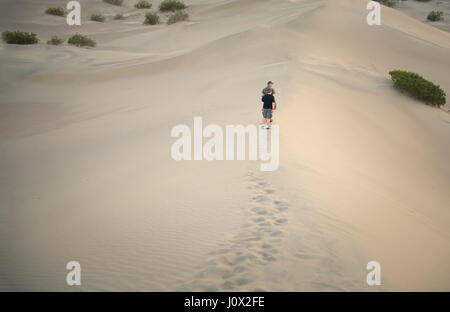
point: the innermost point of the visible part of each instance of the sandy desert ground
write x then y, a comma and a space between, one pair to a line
420, 10
86, 172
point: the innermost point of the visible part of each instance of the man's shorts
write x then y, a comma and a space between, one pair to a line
267, 113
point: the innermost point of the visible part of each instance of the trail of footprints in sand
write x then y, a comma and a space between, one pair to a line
232, 267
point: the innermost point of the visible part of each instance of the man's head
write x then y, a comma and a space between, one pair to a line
270, 84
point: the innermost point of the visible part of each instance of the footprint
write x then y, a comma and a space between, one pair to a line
276, 234
260, 210
239, 259
280, 203
303, 256
228, 285
259, 219
263, 183
281, 221
260, 198
265, 224
243, 281
252, 239
210, 289
239, 269
268, 257
256, 244
256, 209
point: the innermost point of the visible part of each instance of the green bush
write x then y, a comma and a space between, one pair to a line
178, 16
115, 2
55, 40
81, 41
418, 87
171, 6
55, 11
435, 16
151, 18
19, 37
389, 3
143, 5
97, 18
119, 16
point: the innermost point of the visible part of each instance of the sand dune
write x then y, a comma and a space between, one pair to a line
86, 172
420, 11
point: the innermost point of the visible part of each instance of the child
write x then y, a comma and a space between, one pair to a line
266, 90
268, 108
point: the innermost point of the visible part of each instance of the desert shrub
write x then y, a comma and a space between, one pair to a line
55, 40
81, 41
143, 5
115, 2
178, 16
435, 16
96, 17
418, 87
151, 18
171, 6
19, 37
389, 3
119, 16
55, 11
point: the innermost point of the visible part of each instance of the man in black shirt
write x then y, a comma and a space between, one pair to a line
268, 108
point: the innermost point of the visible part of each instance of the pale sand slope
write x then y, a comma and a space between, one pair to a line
86, 172
380, 161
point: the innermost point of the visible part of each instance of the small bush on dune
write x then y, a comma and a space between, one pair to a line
171, 6
97, 18
115, 2
19, 37
177, 17
55, 11
119, 16
389, 3
55, 40
81, 41
435, 16
151, 19
418, 87
143, 5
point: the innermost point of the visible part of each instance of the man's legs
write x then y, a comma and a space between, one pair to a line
271, 118
267, 116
